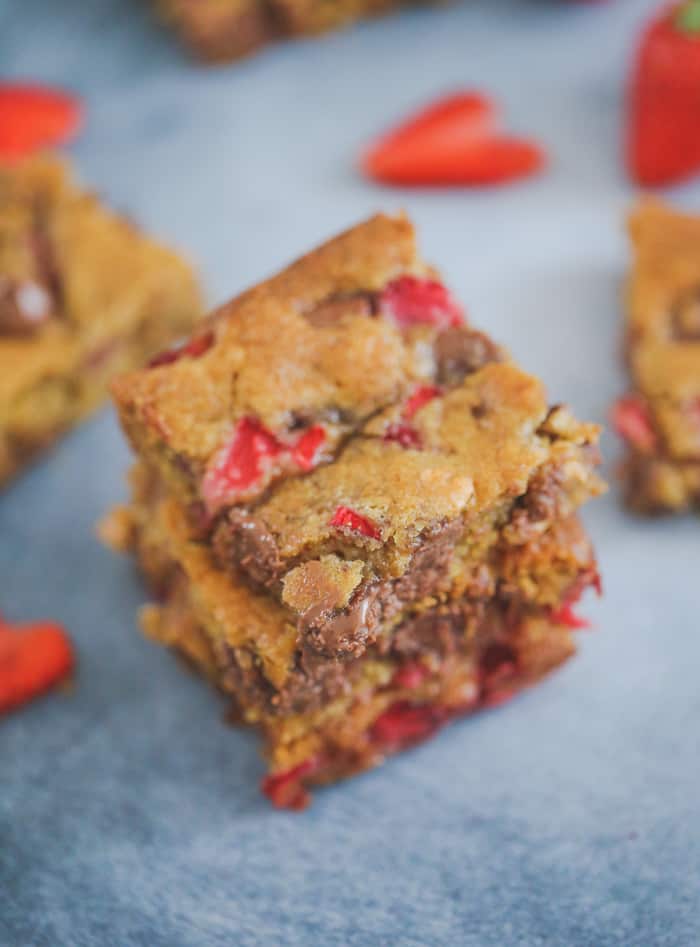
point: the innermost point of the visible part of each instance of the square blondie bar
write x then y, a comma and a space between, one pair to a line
82, 295
418, 560
660, 417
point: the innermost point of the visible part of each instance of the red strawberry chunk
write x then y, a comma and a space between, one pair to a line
241, 463
34, 117
403, 434
194, 348
33, 658
420, 397
410, 300
565, 615
632, 420
404, 724
345, 518
306, 451
410, 675
286, 790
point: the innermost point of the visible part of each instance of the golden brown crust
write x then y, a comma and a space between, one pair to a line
270, 361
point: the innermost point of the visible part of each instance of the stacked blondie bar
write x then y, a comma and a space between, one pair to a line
357, 515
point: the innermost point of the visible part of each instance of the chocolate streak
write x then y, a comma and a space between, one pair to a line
437, 635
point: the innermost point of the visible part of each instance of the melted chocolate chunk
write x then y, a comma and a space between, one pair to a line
460, 351
349, 631
241, 539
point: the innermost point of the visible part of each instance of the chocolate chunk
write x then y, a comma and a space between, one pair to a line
24, 307
441, 634
685, 317
460, 351
429, 564
242, 539
349, 631
330, 311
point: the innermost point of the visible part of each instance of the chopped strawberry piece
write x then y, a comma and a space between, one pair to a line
241, 463
412, 301
632, 420
565, 615
345, 518
305, 453
405, 724
33, 658
410, 675
194, 348
420, 397
286, 790
403, 434
33, 117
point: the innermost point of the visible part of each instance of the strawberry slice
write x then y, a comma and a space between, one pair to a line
240, 464
33, 659
452, 142
461, 117
345, 518
33, 117
631, 419
410, 300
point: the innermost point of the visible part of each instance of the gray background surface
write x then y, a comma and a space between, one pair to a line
129, 814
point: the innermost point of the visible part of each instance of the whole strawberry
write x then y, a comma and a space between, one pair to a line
663, 138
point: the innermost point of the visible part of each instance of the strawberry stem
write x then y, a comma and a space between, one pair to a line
687, 18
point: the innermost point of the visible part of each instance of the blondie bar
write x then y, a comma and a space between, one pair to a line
82, 295
325, 716
222, 30
423, 557
660, 417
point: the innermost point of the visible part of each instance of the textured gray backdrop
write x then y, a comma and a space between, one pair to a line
129, 814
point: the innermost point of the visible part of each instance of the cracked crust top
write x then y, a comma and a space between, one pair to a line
307, 349
479, 444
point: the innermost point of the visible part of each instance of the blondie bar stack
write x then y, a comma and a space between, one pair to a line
83, 295
357, 514
660, 417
